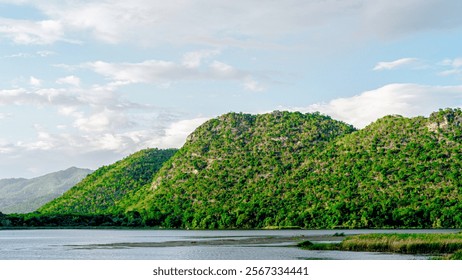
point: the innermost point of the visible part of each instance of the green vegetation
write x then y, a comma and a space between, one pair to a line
33, 220
448, 246
308, 170
239, 171
283, 170
101, 191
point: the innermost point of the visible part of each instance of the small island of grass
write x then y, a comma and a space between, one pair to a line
443, 246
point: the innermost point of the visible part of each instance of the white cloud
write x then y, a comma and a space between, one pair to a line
150, 71
395, 64
69, 80
253, 85
403, 99
102, 121
177, 132
18, 55
13, 96
238, 23
455, 66
27, 32
222, 69
90, 149
4, 116
194, 59
45, 53
93, 119
6, 147
35, 82
164, 73
457, 62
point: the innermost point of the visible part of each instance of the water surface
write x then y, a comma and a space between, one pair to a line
180, 244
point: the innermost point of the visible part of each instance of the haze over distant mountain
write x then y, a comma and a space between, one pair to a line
21, 195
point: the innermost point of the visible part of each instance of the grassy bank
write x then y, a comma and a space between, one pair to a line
445, 246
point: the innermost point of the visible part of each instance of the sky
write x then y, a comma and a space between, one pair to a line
86, 83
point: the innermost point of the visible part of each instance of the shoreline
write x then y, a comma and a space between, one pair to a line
436, 245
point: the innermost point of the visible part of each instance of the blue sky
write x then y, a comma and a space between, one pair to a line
85, 83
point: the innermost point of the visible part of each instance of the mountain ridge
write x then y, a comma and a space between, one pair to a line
288, 169
20, 195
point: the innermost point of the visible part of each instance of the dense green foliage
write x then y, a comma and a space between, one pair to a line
32, 220
397, 172
100, 192
307, 170
288, 170
238, 171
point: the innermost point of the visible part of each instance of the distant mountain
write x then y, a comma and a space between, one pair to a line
27, 195
101, 191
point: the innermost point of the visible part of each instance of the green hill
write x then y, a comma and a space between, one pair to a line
290, 170
100, 192
26, 195
238, 171
307, 170
397, 172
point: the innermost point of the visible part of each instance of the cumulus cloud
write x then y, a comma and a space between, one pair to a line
69, 80
194, 59
94, 126
395, 64
27, 32
90, 150
103, 120
150, 71
166, 72
35, 82
403, 99
176, 133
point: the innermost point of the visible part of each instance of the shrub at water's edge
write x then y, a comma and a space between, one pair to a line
447, 246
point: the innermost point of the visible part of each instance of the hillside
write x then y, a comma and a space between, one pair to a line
397, 172
26, 195
99, 192
307, 170
238, 171
289, 169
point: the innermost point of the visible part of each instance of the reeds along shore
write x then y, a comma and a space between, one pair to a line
446, 246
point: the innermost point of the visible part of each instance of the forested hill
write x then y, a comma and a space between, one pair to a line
99, 192
307, 170
294, 169
239, 171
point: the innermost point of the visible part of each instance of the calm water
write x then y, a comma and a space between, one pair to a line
175, 244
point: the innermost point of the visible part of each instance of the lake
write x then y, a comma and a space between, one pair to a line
97, 244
